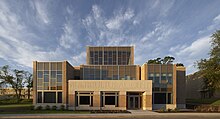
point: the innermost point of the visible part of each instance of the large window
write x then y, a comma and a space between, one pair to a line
109, 98
39, 97
109, 56
49, 97
91, 72
84, 98
162, 98
60, 97
49, 76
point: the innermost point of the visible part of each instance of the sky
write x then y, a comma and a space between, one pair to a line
56, 30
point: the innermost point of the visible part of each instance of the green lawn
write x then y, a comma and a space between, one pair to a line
26, 109
203, 101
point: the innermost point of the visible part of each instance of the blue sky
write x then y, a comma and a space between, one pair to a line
53, 30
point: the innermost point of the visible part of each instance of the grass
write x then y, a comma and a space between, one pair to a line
26, 109
211, 101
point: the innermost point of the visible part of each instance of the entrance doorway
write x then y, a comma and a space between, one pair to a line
134, 100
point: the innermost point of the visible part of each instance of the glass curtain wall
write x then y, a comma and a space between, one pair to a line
49, 82
162, 78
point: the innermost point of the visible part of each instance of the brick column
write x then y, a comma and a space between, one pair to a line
122, 99
147, 101
96, 99
72, 99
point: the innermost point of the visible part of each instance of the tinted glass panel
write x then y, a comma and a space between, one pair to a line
40, 74
109, 100
59, 78
84, 100
159, 98
49, 97
39, 97
59, 97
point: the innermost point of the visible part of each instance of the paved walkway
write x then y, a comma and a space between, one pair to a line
142, 112
134, 115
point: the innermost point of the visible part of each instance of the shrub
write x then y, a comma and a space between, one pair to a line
162, 109
39, 107
26, 101
62, 107
47, 107
32, 107
176, 110
54, 107
169, 110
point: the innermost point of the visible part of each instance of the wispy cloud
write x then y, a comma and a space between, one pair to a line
41, 10
190, 53
69, 37
215, 24
119, 19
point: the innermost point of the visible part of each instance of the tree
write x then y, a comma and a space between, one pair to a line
29, 81
13, 78
5, 77
165, 60
168, 60
18, 82
210, 68
154, 61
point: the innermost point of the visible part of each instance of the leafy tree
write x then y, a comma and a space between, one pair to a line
5, 77
168, 60
29, 81
154, 61
13, 78
165, 60
18, 82
210, 68
179, 64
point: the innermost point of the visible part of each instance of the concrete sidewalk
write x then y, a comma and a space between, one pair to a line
139, 115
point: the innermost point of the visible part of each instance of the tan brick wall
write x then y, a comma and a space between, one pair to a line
174, 84
148, 100
96, 99
122, 100
34, 82
71, 100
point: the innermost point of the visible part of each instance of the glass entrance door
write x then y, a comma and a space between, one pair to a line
134, 102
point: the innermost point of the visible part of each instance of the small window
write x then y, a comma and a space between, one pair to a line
53, 66
59, 86
53, 74
39, 82
46, 66
59, 66
40, 66
109, 100
40, 74
59, 78
46, 86
59, 97
84, 100
46, 78
39, 97
59, 72
49, 97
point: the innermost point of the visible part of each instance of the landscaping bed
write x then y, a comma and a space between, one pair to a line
110, 111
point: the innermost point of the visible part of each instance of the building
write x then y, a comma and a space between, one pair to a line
109, 81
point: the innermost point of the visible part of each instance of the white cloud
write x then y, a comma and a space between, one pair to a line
189, 54
15, 38
41, 10
161, 32
69, 37
119, 19
196, 49
79, 59
215, 24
